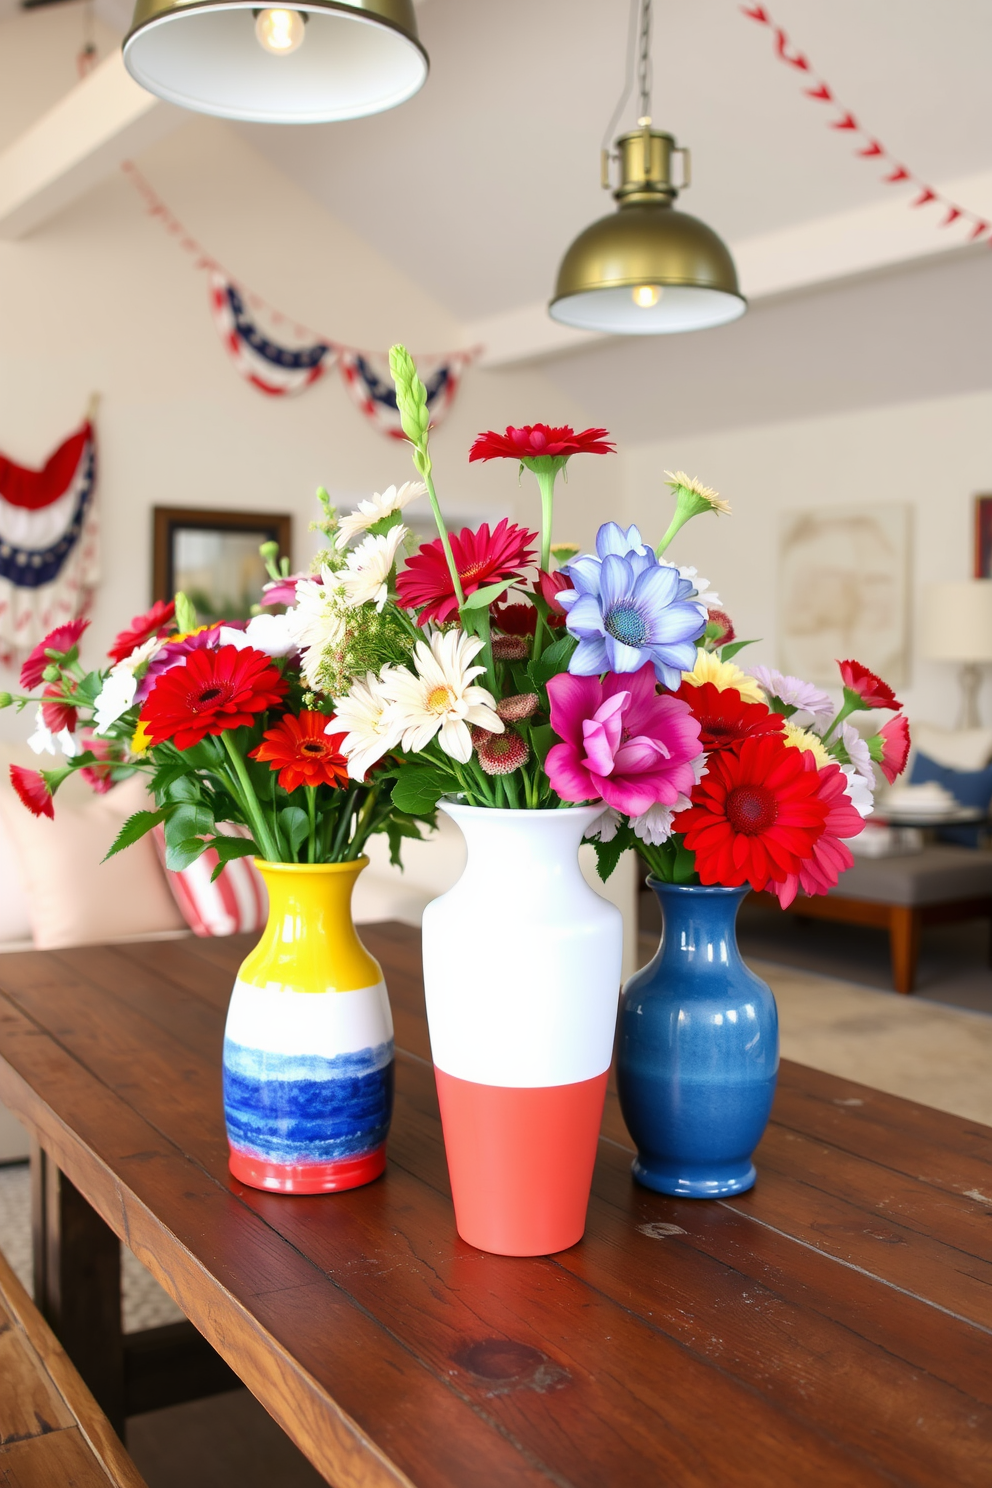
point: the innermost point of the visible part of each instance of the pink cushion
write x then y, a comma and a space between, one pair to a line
236, 900
73, 897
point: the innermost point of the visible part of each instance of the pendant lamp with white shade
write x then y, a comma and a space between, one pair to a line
317, 62
647, 269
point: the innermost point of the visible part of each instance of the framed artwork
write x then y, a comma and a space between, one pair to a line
844, 591
212, 556
983, 537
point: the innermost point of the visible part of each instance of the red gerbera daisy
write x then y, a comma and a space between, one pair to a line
303, 752
725, 718
869, 691
59, 716
755, 815
481, 558
62, 638
830, 855
213, 691
155, 621
536, 441
33, 790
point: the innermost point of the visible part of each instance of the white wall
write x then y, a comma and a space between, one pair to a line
934, 456
103, 299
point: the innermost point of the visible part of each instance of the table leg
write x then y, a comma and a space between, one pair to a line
77, 1282
904, 943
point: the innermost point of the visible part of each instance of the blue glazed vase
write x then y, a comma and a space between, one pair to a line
698, 1050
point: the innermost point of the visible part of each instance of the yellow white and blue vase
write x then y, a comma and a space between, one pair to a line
308, 1046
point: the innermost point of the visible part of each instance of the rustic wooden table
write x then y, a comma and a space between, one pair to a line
832, 1327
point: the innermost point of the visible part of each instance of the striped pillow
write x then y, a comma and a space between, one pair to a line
235, 901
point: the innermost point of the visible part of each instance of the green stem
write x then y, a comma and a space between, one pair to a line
673, 527
312, 813
363, 826
546, 481
253, 811
512, 791
445, 540
341, 835
847, 709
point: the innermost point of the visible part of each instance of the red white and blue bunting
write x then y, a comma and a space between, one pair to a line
49, 552
250, 331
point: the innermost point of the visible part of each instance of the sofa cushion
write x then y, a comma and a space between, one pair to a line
968, 787
936, 875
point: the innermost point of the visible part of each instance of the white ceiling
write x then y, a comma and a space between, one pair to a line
478, 184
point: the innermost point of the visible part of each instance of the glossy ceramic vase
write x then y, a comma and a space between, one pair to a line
522, 965
697, 1054
308, 1047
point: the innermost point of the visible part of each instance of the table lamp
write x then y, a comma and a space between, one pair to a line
957, 626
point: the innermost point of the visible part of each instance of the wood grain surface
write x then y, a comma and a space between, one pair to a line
832, 1327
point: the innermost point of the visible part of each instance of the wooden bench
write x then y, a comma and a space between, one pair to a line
901, 894
52, 1432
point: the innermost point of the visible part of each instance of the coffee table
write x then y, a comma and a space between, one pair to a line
833, 1326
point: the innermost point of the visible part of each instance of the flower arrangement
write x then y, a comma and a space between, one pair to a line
491, 665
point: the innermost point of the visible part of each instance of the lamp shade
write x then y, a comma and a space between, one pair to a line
353, 57
957, 621
647, 269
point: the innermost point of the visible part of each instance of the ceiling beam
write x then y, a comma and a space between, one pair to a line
887, 234
97, 125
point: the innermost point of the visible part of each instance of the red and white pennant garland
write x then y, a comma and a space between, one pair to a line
870, 148
282, 370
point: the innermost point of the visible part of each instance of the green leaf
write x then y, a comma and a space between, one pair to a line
483, 598
228, 848
134, 828
187, 821
181, 854
684, 868
727, 652
177, 783
294, 824
542, 737
418, 789
608, 854
398, 827
185, 614
552, 660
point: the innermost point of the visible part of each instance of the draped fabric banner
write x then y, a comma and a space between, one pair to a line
282, 369
49, 554
868, 147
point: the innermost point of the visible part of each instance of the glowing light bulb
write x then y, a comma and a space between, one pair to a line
646, 296
280, 31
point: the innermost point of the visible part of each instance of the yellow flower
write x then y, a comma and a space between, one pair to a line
801, 738
723, 674
678, 480
140, 740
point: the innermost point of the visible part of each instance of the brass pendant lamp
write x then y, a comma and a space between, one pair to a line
317, 62
648, 269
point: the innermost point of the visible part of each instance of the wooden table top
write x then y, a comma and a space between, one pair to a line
832, 1327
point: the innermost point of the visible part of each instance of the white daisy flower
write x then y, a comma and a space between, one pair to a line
858, 753
316, 621
704, 594
366, 578
367, 513
367, 715
273, 634
441, 700
859, 791
654, 826
120, 685
43, 741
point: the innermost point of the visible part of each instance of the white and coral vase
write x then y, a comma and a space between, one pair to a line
522, 966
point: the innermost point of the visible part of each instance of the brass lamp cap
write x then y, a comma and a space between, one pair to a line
356, 57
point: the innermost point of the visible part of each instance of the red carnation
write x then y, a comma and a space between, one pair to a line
895, 747
869, 691
155, 621
516, 619
212, 692
481, 558
537, 441
302, 752
725, 718
59, 716
33, 791
62, 638
755, 815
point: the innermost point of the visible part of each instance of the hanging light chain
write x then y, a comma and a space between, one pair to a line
644, 70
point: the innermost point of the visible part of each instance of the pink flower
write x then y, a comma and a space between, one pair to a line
175, 652
33, 790
62, 638
282, 591
895, 747
864, 689
621, 742
830, 856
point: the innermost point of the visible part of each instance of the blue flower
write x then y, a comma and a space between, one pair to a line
627, 609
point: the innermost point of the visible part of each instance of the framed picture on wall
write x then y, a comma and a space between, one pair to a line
212, 556
983, 537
